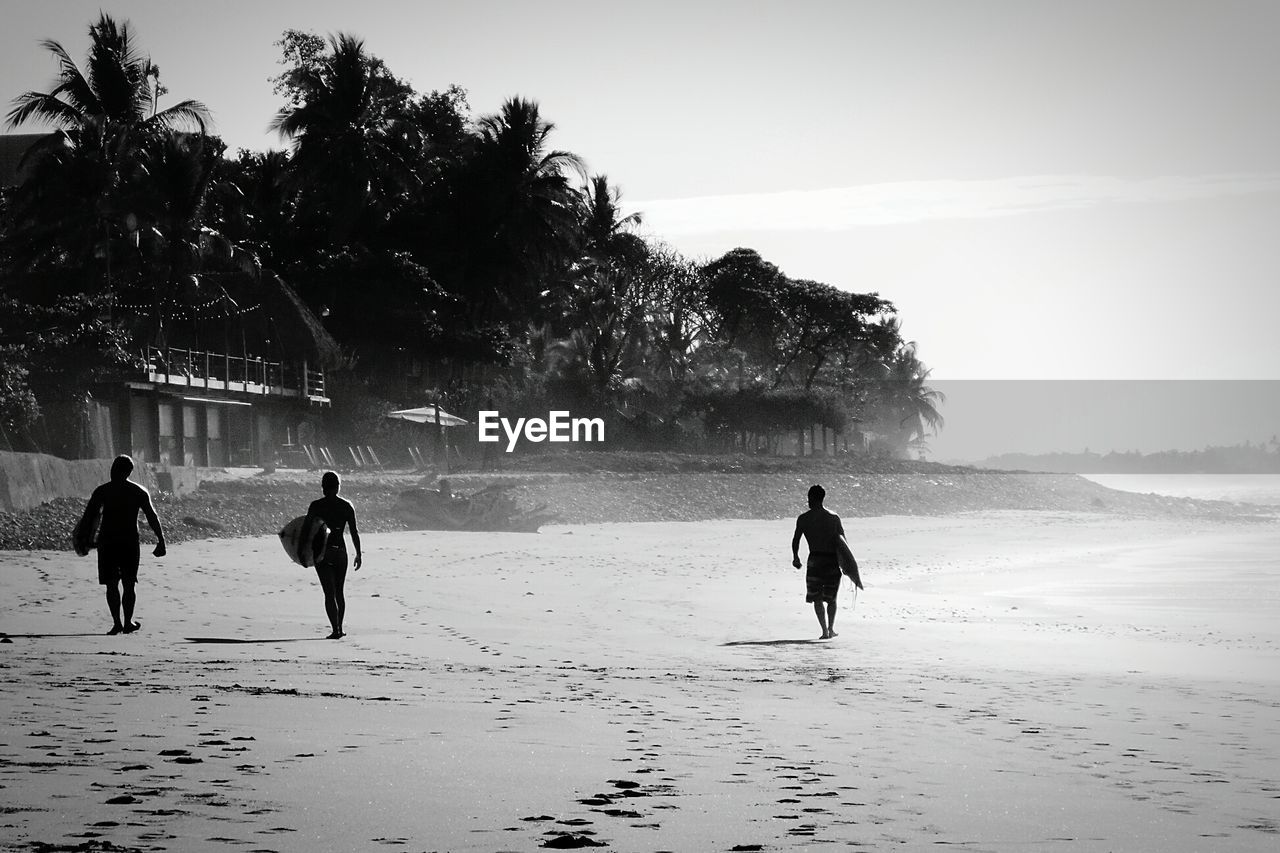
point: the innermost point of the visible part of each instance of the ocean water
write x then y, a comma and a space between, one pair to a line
1262, 489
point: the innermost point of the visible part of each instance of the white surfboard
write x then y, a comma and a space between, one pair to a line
301, 544
848, 564
85, 534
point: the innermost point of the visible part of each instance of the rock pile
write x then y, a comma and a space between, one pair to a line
492, 508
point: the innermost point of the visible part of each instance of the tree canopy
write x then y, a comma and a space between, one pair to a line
425, 243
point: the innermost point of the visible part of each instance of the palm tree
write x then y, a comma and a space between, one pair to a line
353, 147
117, 94
85, 174
516, 212
607, 235
909, 408
257, 209
182, 258
610, 341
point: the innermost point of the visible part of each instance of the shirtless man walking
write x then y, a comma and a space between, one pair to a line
821, 529
119, 502
337, 513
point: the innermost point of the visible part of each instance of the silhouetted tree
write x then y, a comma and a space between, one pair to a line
354, 149
85, 176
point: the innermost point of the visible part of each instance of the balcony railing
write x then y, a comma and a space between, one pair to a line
212, 371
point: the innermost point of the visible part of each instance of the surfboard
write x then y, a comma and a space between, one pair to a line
848, 564
303, 545
85, 534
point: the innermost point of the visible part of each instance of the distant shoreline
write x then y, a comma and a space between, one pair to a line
593, 488
1240, 459
1258, 489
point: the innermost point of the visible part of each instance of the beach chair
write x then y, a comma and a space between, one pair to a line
373, 457
327, 457
356, 458
312, 460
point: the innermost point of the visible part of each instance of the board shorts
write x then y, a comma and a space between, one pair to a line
334, 561
822, 578
118, 561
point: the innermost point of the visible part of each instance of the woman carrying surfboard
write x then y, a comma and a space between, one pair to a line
337, 513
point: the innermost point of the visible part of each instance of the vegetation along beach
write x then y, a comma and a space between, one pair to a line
489, 508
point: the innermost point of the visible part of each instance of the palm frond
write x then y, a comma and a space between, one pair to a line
188, 113
45, 108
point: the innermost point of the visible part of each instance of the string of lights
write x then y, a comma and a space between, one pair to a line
193, 312
194, 307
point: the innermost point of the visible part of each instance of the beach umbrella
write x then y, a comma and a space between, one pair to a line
429, 415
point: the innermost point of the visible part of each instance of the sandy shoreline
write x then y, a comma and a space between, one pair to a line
653, 487
1009, 680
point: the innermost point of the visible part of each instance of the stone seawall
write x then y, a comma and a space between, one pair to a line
30, 479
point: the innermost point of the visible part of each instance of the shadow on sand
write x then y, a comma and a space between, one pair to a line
51, 636
772, 642
267, 640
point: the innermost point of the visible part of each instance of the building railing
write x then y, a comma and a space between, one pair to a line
213, 371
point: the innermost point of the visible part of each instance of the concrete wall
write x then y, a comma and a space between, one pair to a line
30, 479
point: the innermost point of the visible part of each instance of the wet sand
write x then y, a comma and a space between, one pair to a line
1007, 681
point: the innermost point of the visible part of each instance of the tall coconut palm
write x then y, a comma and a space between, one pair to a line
909, 407
85, 174
116, 93
607, 234
353, 148
515, 211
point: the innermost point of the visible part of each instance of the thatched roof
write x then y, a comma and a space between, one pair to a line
259, 312
296, 327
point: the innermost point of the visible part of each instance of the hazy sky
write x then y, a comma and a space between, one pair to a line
1046, 190
989, 417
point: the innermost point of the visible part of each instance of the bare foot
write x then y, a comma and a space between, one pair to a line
336, 635
832, 635
131, 627
825, 636
115, 629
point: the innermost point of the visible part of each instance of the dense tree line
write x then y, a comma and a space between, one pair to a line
468, 254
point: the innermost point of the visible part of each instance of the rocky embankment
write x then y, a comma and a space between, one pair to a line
587, 488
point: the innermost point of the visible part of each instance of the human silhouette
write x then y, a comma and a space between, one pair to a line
821, 529
118, 502
331, 567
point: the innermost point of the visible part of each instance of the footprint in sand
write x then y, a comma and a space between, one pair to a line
571, 841
621, 813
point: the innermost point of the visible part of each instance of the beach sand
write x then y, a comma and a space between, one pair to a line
1007, 681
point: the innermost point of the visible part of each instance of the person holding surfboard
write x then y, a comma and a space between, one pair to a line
113, 508
331, 566
822, 530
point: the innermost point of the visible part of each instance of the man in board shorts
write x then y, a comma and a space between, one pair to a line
821, 530
119, 501
331, 567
